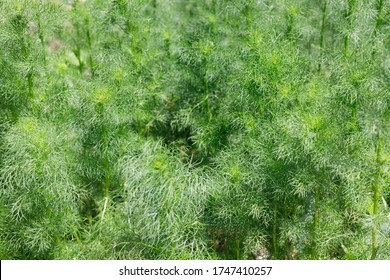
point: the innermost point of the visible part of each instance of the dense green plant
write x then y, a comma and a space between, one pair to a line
194, 129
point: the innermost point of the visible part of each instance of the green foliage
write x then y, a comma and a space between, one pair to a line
194, 129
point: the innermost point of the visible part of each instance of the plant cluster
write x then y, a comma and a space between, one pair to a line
184, 129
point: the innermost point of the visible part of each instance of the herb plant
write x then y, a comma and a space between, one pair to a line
137, 129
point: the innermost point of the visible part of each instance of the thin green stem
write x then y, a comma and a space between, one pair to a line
324, 8
274, 230
237, 243
154, 5
107, 174
378, 23
378, 20
24, 49
57, 240
346, 44
76, 235
77, 53
29, 76
30, 83
375, 197
316, 219
348, 14
42, 39
89, 41
207, 99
